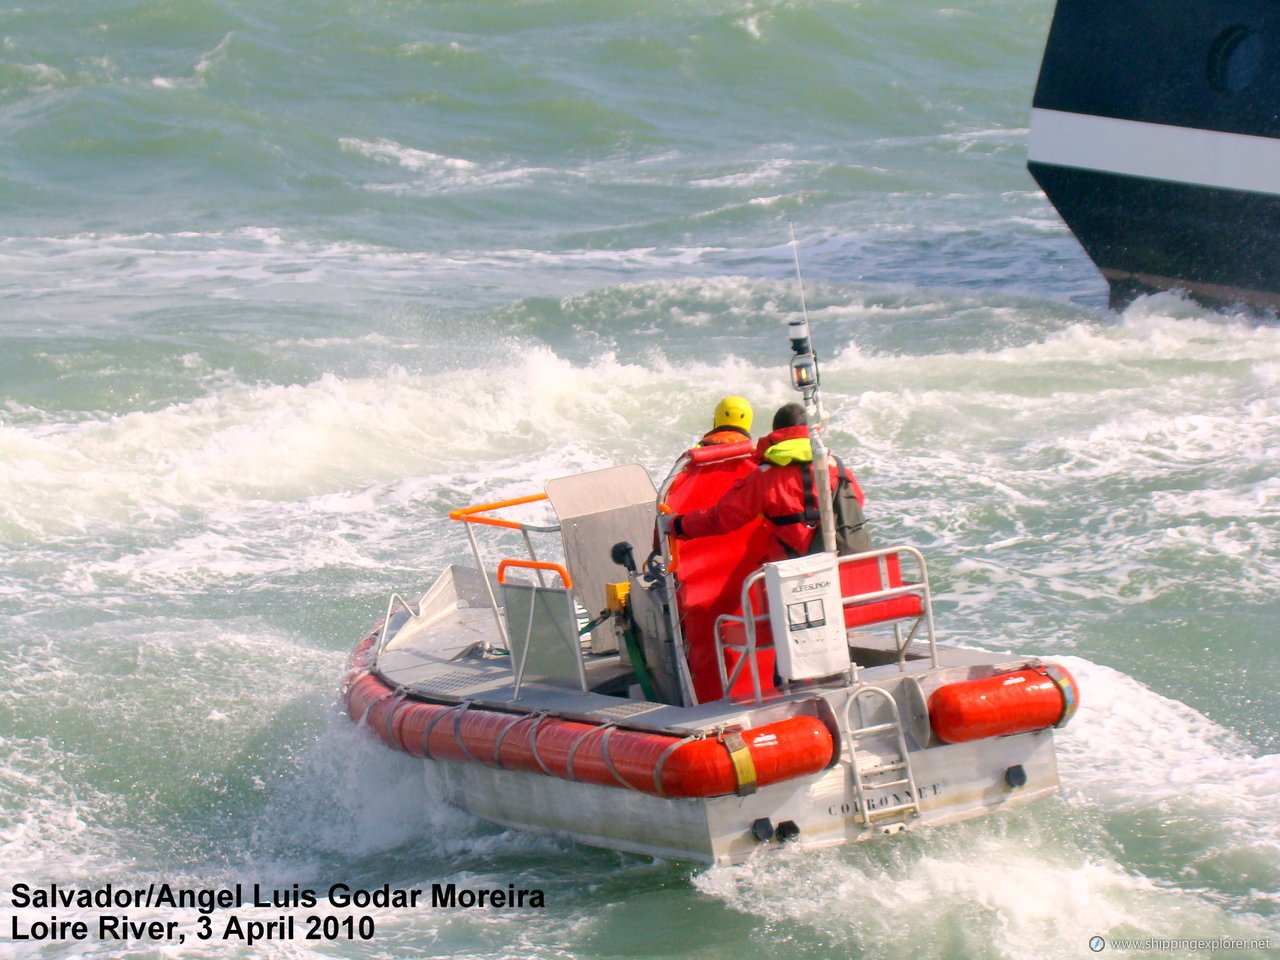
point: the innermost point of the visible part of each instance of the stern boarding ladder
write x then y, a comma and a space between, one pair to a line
891, 730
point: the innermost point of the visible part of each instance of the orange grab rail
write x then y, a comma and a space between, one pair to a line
470, 514
534, 565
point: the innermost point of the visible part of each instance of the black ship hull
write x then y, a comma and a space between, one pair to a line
1156, 134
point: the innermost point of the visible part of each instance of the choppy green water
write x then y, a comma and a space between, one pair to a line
283, 283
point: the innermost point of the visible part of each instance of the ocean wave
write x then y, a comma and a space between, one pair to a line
1043, 880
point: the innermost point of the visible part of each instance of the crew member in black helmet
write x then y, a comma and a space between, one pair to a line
781, 490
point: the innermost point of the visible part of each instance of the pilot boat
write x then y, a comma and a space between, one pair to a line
697, 705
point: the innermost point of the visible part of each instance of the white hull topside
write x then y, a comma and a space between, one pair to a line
958, 783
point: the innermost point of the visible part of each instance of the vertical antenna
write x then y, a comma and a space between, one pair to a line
795, 256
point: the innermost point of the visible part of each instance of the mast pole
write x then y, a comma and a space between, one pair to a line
804, 375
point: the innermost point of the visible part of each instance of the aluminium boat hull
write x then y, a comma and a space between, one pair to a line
426, 660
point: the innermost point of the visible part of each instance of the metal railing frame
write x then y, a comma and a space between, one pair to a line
749, 618
538, 566
386, 622
471, 516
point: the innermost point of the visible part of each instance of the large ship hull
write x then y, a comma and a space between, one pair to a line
1155, 133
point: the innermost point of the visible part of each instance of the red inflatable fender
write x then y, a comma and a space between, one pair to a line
660, 764
1016, 702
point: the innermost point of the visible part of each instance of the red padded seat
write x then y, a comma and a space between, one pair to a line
866, 576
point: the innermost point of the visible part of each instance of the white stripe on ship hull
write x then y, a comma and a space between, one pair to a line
1232, 161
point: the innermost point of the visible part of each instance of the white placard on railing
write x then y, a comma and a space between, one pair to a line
807, 617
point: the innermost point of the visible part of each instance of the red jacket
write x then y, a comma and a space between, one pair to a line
773, 490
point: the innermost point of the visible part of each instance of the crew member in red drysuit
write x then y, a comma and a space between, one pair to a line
774, 490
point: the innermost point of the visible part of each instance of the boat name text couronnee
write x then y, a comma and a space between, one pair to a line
273, 917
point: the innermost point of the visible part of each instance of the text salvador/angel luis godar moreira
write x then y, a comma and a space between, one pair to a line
206, 899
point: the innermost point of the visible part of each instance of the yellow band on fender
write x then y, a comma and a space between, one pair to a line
744, 768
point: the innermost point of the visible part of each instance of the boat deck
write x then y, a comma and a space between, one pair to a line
445, 663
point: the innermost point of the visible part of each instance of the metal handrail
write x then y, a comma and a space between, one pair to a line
676, 469
749, 647
534, 565
472, 516
527, 645
386, 623
728, 680
921, 589
749, 632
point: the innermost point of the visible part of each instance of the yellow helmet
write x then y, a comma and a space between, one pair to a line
733, 412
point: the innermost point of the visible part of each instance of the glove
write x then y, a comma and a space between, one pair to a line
669, 524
